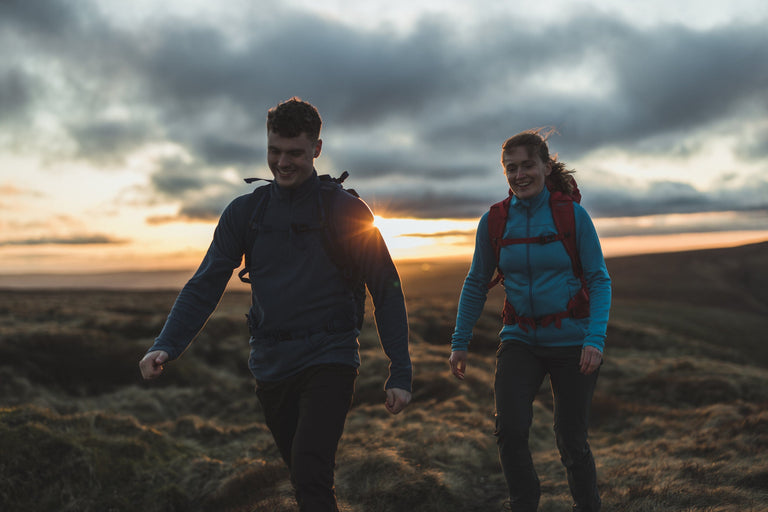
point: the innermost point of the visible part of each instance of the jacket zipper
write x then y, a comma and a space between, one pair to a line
528, 267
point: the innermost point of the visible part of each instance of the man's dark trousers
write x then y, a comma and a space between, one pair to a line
520, 371
306, 415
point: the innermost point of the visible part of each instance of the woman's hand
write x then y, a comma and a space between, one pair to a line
458, 361
591, 358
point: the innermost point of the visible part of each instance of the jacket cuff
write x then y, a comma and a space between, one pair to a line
598, 344
400, 379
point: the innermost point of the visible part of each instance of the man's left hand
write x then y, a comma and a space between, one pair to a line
397, 399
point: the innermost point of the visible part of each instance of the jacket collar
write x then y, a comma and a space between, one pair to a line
303, 191
532, 204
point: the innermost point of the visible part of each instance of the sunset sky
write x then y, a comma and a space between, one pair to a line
126, 127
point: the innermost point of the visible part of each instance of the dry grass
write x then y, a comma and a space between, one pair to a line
679, 418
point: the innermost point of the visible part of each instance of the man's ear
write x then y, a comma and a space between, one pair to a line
318, 147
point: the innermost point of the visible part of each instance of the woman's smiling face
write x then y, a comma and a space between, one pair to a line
526, 174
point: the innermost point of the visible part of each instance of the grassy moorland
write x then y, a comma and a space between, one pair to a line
679, 418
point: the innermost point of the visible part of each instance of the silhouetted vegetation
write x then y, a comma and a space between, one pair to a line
679, 418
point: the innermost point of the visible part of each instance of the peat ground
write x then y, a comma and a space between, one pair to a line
679, 420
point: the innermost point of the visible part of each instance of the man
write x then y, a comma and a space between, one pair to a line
305, 315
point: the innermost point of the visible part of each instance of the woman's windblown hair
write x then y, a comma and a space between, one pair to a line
535, 143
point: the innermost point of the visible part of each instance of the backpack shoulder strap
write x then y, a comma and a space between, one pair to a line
259, 199
333, 227
497, 221
334, 235
329, 186
561, 205
565, 222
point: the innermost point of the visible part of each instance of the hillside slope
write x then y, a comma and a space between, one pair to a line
732, 279
715, 298
679, 419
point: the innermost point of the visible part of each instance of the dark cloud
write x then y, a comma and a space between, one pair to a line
453, 98
175, 177
680, 79
50, 17
109, 141
200, 208
179, 177
71, 240
208, 212
662, 197
370, 163
16, 97
669, 197
175, 185
203, 193
216, 150
356, 77
660, 83
428, 205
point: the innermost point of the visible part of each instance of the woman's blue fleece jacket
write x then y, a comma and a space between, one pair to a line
538, 278
303, 310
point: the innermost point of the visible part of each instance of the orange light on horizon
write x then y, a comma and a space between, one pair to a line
650, 244
407, 239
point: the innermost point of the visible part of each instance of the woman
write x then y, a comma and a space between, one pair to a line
554, 320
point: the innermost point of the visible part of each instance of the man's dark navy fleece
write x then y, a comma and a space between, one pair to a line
303, 310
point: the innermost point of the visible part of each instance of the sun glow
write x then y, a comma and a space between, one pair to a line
420, 238
182, 245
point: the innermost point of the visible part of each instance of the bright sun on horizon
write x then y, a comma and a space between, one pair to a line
409, 238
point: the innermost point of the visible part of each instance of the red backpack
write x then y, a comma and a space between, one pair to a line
561, 205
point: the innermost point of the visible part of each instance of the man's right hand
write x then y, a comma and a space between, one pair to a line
397, 399
151, 365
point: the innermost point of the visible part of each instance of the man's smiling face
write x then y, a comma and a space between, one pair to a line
291, 159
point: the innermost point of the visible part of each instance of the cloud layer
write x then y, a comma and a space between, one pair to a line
416, 116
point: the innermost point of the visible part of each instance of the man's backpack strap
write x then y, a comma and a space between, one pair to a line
333, 233
335, 238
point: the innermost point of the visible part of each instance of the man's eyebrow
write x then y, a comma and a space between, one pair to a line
287, 150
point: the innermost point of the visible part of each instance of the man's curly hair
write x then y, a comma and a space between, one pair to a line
294, 117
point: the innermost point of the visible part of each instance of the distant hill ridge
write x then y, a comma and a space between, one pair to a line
732, 278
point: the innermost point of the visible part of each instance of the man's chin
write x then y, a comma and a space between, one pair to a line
286, 181
291, 179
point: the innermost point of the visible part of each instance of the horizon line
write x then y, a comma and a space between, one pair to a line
175, 278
